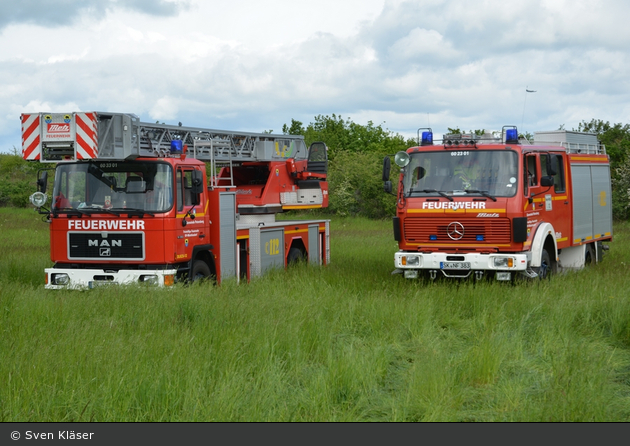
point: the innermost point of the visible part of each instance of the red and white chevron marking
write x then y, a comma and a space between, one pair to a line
31, 141
86, 141
86, 135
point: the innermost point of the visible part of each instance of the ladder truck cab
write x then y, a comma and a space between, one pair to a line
135, 202
500, 206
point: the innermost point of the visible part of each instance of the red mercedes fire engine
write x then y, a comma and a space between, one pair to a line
501, 206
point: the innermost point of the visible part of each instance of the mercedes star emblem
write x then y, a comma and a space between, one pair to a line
455, 230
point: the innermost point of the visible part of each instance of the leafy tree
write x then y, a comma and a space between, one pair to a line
296, 128
355, 154
616, 138
17, 180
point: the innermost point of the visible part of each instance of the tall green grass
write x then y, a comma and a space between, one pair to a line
344, 342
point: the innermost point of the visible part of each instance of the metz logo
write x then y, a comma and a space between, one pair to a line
58, 128
487, 215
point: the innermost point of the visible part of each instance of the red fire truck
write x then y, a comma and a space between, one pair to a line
496, 205
134, 202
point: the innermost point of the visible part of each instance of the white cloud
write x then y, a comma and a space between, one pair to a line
422, 42
165, 108
250, 65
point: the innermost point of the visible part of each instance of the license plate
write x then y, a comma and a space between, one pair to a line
96, 283
454, 265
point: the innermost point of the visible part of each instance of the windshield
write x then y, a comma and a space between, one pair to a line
492, 172
113, 186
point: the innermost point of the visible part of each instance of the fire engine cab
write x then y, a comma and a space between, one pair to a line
500, 206
134, 202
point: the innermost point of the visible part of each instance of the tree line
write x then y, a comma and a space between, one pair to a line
355, 154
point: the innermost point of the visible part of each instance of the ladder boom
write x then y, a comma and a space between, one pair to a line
59, 137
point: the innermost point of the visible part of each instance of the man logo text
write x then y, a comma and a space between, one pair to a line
105, 243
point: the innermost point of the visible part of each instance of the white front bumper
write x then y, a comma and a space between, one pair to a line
79, 279
415, 261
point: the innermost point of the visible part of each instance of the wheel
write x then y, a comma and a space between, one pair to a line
295, 255
200, 271
547, 267
589, 256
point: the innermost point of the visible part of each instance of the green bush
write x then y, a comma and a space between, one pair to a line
17, 180
355, 163
356, 187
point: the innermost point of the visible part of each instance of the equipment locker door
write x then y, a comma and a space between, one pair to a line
313, 245
227, 208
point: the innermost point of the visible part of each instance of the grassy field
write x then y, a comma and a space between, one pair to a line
346, 342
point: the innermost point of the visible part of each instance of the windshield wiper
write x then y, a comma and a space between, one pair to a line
485, 193
96, 210
132, 211
429, 191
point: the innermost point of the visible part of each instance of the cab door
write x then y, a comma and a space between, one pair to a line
191, 213
557, 206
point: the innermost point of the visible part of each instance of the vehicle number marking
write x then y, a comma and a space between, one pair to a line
272, 247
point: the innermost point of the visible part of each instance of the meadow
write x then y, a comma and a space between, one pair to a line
345, 342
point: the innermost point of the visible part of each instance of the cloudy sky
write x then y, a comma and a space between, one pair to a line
254, 65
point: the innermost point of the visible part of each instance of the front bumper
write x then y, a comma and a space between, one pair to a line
80, 279
503, 266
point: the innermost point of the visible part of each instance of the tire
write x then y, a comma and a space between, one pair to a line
295, 256
547, 267
200, 271
589, 256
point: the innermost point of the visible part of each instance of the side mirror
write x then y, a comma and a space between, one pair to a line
552, 165
388, 187
197, 182
42, 181
546, 181
387, 164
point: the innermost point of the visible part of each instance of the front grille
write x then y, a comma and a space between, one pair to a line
489, 231
106, 246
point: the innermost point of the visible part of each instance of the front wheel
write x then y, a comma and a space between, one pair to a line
547, 266
200, 271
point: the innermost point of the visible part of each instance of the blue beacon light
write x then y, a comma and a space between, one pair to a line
177, 146
427, 139
511, 136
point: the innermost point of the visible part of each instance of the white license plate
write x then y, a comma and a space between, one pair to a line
454, 265
96, 283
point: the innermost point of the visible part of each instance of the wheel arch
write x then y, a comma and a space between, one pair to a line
544, 239
204, 253
296, 243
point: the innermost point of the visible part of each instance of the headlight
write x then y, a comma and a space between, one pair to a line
410, 260
60, 279
149, 279
38, 199
503, 262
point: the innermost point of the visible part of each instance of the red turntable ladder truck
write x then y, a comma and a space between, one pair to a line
135, 202
501, 207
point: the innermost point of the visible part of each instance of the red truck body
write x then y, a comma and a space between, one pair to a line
149, 203
501, 206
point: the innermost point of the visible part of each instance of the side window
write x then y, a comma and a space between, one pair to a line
185, 197
529, 172
552, 166
180, 190
558, 178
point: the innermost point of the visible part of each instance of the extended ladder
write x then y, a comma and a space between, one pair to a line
59, 137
